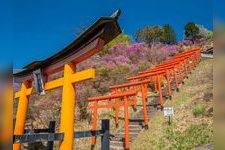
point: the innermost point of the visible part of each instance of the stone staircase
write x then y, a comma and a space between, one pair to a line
136, 122
135, 125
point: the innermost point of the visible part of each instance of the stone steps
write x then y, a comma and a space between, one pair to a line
116, 144
135, 127
130, 130
113, 147
136, 122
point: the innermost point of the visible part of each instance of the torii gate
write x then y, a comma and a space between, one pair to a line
89, 43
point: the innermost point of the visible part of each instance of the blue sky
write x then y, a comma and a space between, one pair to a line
34, 30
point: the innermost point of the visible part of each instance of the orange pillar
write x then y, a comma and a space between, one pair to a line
94, 123
193, 61
168, 83
144, 97
67, 109
175, 79
155, 84
146, 90
116, 110
197, 57
21, 112
180, 73
126, 123
185, 67
160, 91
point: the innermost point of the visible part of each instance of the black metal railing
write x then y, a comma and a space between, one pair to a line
49, 135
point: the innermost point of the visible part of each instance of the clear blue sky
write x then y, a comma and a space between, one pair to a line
33, 30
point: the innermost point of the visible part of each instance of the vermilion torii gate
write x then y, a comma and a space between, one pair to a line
89, 43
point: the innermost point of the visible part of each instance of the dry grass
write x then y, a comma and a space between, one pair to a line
196, 91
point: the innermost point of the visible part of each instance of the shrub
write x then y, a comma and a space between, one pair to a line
198, 110
120, 62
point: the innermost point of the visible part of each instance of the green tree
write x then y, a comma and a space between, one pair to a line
169, 35
191, 31
149, 34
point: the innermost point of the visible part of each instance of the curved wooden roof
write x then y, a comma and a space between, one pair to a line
104, 29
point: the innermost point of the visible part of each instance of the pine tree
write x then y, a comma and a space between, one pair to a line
169, 35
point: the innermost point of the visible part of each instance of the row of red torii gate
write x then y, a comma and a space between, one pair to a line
34, 80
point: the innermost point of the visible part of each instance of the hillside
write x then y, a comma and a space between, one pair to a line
113, 68
192, 124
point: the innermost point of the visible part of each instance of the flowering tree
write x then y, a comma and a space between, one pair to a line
121, 61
